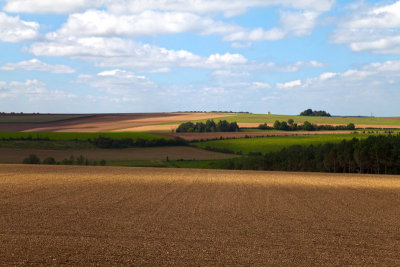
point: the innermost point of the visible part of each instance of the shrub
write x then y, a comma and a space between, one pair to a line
32, 159
49, 161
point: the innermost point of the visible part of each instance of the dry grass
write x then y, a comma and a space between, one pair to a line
10, 155
80, 216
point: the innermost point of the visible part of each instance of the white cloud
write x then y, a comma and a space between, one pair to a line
102, 23
288, 67
117, 52
370, 88
118, 82
374, 28
230, 73
149, 17
49, 6
31, 90
257, 34
13, 29
364, 77
289, 85
228, 7
299, 23
261, 85
225, 59
36, 65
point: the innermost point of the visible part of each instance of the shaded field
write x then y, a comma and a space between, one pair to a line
60, 136
274, 143
38, 118
10, 155
217, 135
68, 215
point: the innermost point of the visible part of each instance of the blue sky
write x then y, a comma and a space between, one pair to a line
82, 56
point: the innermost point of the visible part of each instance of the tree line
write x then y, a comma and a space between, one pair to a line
81, 160
106, 142
378, 154
290, 125
209, 126
319, 113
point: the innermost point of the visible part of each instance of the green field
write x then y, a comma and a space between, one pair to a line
39, 118
79, 136
262, 118
272, 144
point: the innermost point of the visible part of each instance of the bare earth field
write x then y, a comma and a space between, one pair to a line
122, 122
216, 135
11, 155
80, 216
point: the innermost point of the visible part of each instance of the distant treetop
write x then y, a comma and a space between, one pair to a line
310, 112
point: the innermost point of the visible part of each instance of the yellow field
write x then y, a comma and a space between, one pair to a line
79, 216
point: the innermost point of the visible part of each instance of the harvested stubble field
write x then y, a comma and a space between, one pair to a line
79, 216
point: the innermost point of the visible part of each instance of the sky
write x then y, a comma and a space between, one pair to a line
111, 56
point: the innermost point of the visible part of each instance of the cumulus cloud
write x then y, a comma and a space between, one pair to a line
299, 23
102, 23
36, 65
13, 29
371, 74
117, 52
149, 17
49, 6
359, 91
289, 85
228, 7
374, 28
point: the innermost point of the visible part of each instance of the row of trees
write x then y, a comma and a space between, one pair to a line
307, 126
81, 160
310, 112
209, 126
106, 142
377, 155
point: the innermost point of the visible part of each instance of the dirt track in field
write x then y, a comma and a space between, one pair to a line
120, 122
217, 135
9, 155
80, 216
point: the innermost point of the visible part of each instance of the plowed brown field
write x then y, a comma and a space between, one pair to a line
121, 122
81, 216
